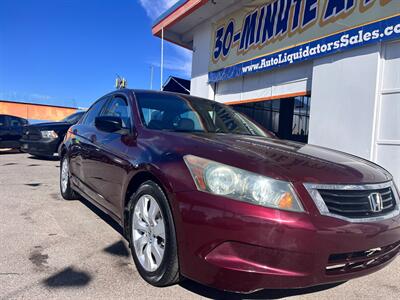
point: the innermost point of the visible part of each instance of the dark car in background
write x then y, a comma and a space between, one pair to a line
11, 130
43, 139
202, 191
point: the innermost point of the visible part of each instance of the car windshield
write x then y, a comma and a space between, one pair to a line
181, 113
74, 118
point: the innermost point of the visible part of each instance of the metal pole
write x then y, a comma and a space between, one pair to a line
162, 57
151, 76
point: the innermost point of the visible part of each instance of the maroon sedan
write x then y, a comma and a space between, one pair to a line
202, 192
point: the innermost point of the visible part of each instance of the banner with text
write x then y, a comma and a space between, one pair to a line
269, 34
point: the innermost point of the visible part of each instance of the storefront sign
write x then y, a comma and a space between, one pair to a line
268, 34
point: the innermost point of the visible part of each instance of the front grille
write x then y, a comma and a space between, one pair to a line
356, 203
31, 133
357, 261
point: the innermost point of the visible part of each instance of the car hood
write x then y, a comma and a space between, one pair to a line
51, 126
287, 160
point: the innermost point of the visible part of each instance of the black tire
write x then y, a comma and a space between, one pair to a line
168, 272
69, 193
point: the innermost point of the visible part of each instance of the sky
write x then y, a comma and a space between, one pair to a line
68, 52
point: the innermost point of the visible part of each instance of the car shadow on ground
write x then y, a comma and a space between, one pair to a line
44, 158
119, 249
212, 293
68, 277
106, 218
4, 151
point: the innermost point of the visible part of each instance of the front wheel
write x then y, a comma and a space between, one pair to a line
65, 185
152, 236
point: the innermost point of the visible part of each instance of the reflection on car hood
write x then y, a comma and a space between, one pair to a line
290, 160
51, 125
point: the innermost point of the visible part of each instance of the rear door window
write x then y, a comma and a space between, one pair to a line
3, 121
15, 122
94, 111
74, 118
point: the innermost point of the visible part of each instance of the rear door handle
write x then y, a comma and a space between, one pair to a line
93, 138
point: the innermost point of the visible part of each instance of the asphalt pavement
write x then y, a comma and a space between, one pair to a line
56, 249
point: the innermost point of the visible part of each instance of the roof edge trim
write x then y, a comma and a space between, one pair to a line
180, 10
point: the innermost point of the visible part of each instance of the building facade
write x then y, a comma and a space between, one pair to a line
326, 72
35, 112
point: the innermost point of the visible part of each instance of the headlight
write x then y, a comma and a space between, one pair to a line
219, 179
49, 134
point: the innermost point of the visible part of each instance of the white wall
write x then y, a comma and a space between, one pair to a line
201, 53
343, 99
386, 147
201, 49
293, 79
280, 81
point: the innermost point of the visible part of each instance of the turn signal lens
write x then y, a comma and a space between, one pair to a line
286, 202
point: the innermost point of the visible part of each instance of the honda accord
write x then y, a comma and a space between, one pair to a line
203, 192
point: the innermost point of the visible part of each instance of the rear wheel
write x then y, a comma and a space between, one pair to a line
152, 235
65, 185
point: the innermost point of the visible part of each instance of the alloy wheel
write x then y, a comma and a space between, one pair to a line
148, 233
64, 175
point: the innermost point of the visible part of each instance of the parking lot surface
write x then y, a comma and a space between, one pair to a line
56, 249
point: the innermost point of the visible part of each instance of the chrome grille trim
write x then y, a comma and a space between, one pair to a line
345, 263
323, 208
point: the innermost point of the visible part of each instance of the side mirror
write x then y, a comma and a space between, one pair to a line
108, 123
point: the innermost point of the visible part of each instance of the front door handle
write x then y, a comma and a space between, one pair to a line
93, 138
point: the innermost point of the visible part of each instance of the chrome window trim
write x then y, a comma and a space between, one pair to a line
323, 209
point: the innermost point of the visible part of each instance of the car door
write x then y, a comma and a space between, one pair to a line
15, 127
109, 164
11, 131
82, 146
3, 131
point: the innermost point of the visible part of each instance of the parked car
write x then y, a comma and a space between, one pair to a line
43, 139
203, 192
11, 128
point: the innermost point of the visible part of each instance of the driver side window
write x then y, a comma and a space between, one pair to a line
118, 107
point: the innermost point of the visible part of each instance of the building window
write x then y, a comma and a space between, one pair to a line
288, 118
301, 117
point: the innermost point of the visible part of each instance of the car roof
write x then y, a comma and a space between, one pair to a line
143, 91
155, 92
151, 92
12, 116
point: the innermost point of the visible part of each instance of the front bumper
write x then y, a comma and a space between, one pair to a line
43, 147
9, 144
235, 246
